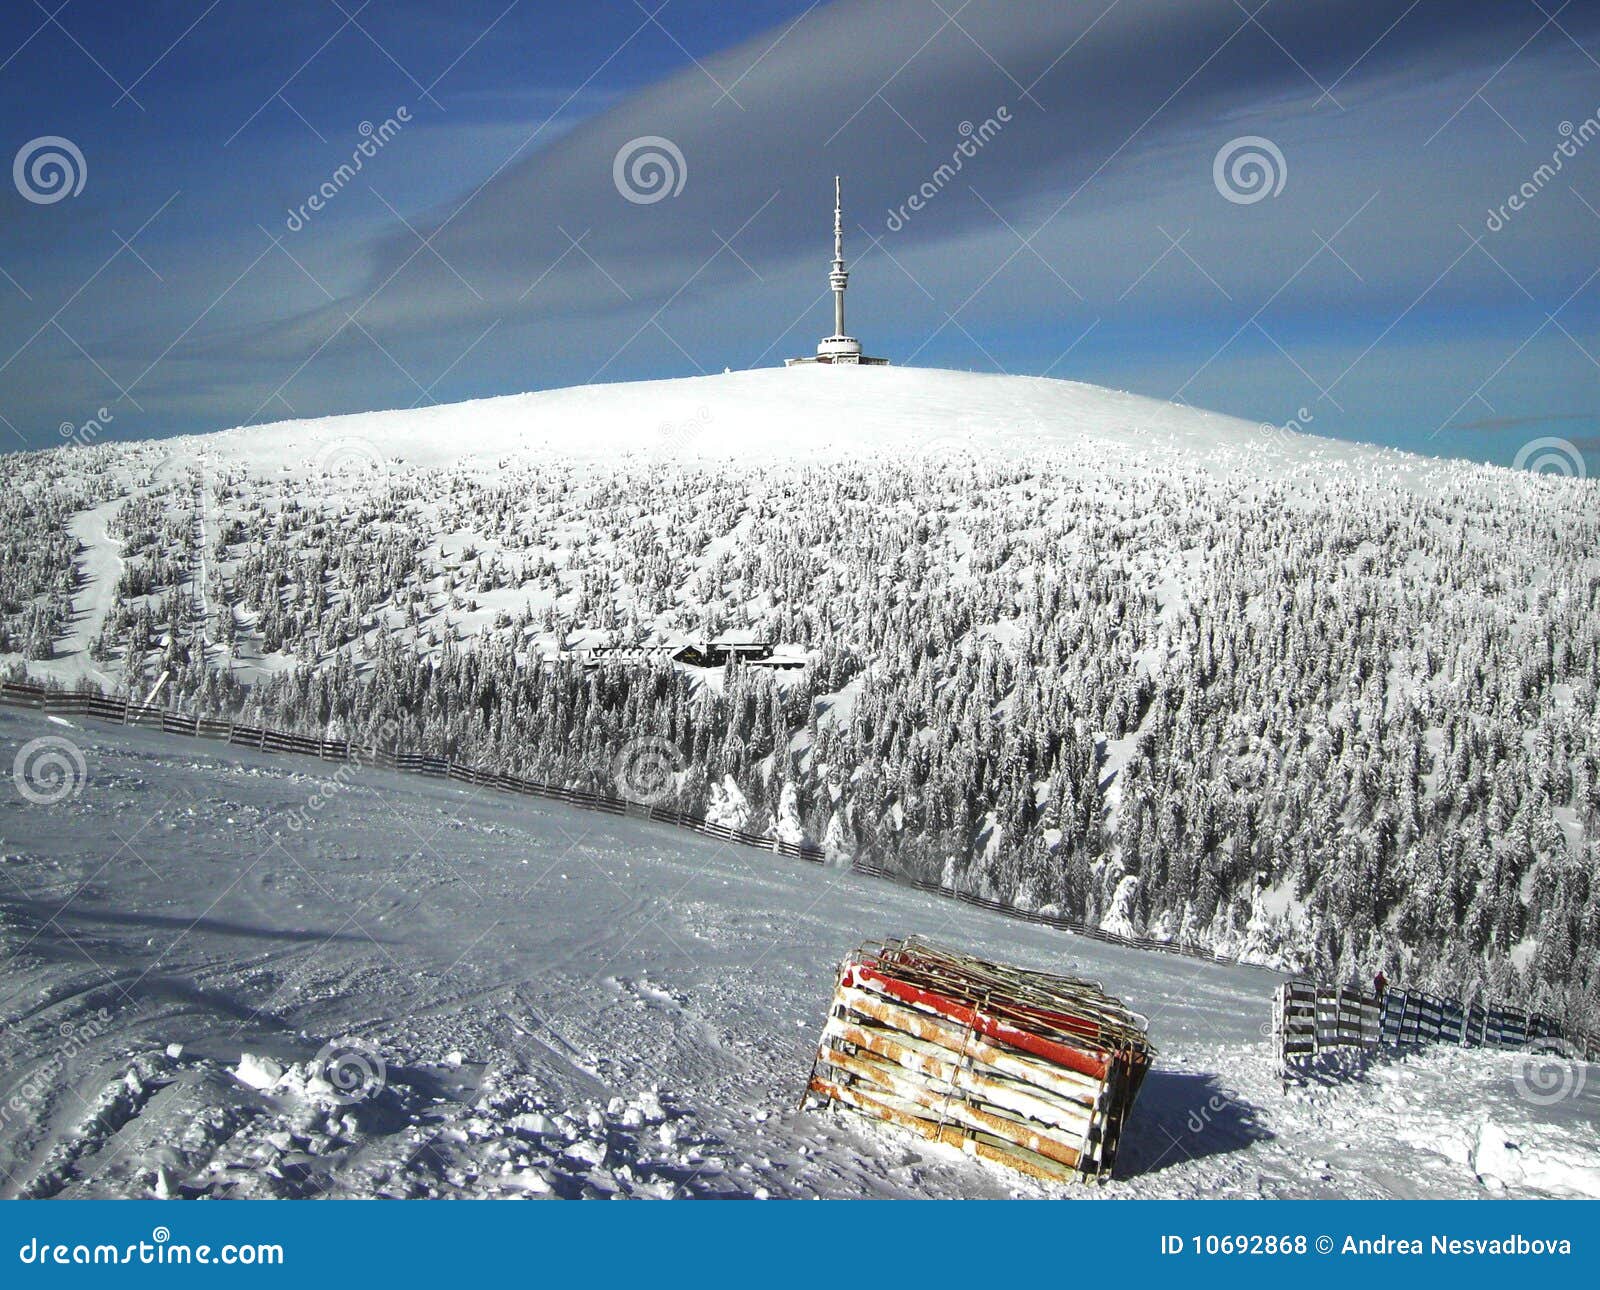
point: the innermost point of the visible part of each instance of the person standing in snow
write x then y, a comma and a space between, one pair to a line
1380, 984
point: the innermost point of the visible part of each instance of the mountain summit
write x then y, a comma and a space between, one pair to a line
796, 413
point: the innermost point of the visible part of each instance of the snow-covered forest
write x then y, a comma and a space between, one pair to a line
1338, 710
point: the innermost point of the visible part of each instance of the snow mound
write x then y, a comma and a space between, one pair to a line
766, 415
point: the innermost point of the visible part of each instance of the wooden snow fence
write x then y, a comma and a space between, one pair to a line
266, 739
1310, 1020
1016, 1066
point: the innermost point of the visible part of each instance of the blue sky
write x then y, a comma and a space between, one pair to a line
1380, 289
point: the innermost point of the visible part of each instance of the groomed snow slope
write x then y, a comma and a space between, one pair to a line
776, 414
560, 1003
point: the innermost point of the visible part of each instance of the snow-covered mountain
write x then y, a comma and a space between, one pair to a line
1312, 702
778, 414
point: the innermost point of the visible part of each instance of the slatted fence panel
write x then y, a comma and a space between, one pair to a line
1295, 1019
1432, 1019
21, 695
1453, 1022
1309, 1019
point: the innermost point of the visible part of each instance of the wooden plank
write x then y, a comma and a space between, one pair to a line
1086, 1063
1063, 1080
889, 1079
939, 1064
973, 1143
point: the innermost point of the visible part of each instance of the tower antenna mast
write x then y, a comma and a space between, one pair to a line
839, 278
839, 347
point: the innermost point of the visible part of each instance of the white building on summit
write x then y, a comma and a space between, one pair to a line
838, 348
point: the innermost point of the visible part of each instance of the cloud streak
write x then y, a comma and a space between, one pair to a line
1090, 223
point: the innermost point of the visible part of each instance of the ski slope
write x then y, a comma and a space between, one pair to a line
544, 1002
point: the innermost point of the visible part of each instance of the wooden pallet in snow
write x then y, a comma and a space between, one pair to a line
1020, 1067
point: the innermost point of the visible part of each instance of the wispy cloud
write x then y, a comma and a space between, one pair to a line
1094, 214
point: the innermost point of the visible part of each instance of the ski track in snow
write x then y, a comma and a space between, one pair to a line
100, 566
567, 1004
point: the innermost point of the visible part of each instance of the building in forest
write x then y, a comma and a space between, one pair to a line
701, 653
